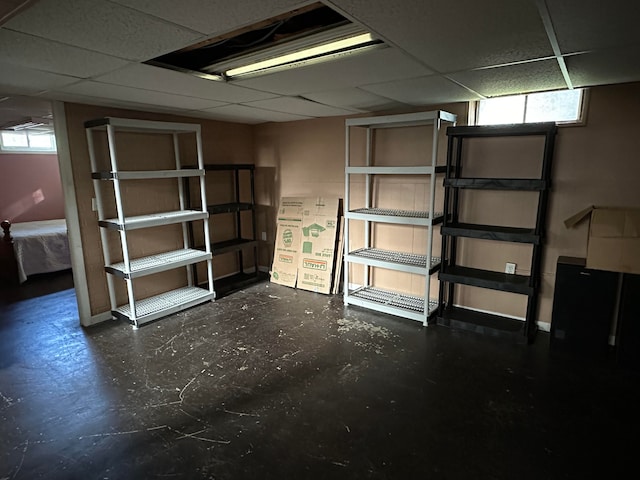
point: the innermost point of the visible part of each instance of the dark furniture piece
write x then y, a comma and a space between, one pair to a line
452, 274
584, 305
629, 323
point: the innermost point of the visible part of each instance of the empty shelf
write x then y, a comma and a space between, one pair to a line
525, 184
140, 267
394, 303
153, 220
483, 323
404, 262
229, 208
402, 120
234, 245
502, 130
142, 126
164, 304
491, 232
405, 217
487, 279
419, 170
147, 174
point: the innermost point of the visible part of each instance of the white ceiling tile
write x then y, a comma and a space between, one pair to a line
35, 52
162, 80
299, 106
18, 107
210, 17
594, 24
457, 35
247, 114
378, 65
354, 98
107, 102
117, 92
514, 79
102, 27
422, 91
25, 81
605, 67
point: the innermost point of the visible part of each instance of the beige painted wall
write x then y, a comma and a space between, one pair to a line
222, 143
596, 163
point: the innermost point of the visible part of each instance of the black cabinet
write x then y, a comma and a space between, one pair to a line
584, 305
629, 323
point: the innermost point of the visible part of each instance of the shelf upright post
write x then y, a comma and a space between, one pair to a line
368, 202
347, 203
432, 200
203, 203
254, 227
181, 194
121, 220
101, 216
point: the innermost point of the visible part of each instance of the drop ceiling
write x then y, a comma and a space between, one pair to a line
92, 51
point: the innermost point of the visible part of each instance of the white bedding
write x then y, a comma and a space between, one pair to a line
40, 247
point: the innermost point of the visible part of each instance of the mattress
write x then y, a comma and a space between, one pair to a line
40, 247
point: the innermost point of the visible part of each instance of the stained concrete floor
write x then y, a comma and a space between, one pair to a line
274, 383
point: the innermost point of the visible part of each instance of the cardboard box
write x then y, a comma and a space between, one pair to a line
319, 234
284, 270
304, 254
614, 238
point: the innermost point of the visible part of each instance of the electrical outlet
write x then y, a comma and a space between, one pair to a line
510, 268
263, 236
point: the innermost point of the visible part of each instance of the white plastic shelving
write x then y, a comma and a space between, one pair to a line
419, 308
139, 311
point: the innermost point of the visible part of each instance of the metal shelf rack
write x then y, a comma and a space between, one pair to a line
419, 308
139, 311
242, 241
452, 274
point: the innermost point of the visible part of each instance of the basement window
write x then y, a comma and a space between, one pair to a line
26, 141
565, 107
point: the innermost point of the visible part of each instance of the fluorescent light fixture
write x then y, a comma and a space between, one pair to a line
319, 52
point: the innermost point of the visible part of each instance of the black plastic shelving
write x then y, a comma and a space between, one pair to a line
242, 241
452, 274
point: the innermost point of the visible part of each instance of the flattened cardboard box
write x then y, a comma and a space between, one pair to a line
305, 243
319, 231
284, 270
614, 238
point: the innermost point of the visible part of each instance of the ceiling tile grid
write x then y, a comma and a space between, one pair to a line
213, 16
513, 79
169, 81
35, 52
117, 92
438, 52
458, 35
103, 27
377, 65
422, 91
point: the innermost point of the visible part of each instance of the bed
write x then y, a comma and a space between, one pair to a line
38, 247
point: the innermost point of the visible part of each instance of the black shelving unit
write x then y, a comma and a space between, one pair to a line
242, 241
452, 274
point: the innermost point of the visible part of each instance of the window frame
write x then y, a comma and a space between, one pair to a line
474, 110
4, 149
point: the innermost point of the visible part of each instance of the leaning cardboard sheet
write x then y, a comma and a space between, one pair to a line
304, 255
614, 238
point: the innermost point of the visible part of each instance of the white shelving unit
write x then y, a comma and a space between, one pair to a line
419, 308
139, 311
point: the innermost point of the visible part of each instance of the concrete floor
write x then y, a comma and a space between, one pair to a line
274, 383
